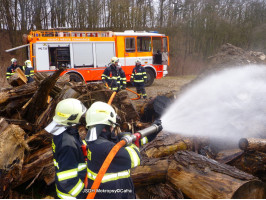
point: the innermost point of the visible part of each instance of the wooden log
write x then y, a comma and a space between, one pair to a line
18, 78
253, 144
229, 155
33, 164
166, 144
39, 101
159, 191
253, 162
150, 172
12, 148
9, 94
199, 177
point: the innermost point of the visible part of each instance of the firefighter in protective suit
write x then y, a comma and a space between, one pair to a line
29, 71
100, 139
114, 76
11, 69
138, 79
69, 162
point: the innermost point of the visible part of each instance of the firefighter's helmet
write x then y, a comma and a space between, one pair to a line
69, 111
114, 60
13, 60
28, 63
138, 61
100, 113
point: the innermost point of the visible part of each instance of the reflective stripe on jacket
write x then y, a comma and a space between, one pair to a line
117, 176
112, 76
70, 166
139, 74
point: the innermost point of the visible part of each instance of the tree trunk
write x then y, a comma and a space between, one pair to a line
253, 144
39, 100
197, 177
10, 94
253, 162
203, 178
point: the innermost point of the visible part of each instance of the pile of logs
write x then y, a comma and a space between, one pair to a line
25, 110
172, 166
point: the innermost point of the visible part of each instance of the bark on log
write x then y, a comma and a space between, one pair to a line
12, 148
159, 191
253, 144
166, 144
150, 172
39, 99
253, 162
198, 177
203, 178
9, 94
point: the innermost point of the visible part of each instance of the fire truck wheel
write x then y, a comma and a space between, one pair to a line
150, 77
75, 77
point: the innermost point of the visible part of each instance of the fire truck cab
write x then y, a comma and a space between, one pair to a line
86, 54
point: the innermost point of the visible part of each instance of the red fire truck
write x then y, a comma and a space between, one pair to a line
85, 54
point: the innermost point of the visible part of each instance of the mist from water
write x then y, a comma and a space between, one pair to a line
227, 105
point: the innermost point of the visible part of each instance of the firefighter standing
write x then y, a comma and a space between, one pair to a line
11, 69
139, 78
100, 121
112, 75
29, 71
123, 79
69, 162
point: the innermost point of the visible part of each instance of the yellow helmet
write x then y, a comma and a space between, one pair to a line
13, 60
100, 113
114, 60
69, 111
28, 63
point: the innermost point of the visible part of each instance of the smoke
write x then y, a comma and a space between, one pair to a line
227, 105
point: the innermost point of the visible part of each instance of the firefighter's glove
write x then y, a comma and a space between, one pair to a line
158, 122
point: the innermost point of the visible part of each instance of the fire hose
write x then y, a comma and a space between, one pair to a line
114, 93
126, 140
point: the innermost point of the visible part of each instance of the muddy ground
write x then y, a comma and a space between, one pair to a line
164, 85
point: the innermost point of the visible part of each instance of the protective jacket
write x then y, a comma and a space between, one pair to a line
29, 73
11, 70
116, 183
70, 166
138, 75
112, 76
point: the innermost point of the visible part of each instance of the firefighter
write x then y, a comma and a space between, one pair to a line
11, 69
100, 139
123, 79
112, 75
29, 71
139, 78
69, 161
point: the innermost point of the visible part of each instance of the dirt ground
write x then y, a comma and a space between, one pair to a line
164, 85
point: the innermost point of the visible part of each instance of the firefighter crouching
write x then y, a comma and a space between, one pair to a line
100, 139
139, 78
11, 69
29, 71
113, 75
69, 162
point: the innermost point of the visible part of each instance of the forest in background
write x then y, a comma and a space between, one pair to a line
196, 28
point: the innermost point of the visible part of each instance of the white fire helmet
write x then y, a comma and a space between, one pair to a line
100, 113
69, 111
